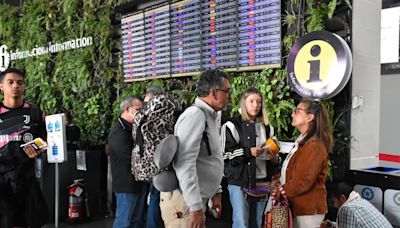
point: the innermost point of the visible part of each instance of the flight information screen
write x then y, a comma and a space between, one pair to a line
182, 38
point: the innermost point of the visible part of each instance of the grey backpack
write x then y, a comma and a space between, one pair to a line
165, 180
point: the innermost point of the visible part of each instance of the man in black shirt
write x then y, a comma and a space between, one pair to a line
21, 200
130, 194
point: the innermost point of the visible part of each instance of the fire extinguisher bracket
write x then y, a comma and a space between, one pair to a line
78, 191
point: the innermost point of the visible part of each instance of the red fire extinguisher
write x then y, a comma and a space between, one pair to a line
77, 201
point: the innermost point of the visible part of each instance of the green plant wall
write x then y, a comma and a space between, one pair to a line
88, 81
79, 81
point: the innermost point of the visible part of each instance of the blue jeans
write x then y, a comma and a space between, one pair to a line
243, 211
154, 219
129, 211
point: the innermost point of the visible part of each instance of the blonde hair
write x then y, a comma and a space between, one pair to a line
262, 116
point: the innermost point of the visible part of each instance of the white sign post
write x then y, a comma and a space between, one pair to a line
56, 150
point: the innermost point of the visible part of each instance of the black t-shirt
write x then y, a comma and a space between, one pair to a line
18, 126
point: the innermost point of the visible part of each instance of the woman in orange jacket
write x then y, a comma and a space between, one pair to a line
305, 169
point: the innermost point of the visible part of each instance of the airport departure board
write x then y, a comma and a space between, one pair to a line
182, 38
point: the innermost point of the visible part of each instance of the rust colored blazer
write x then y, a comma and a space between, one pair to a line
305, 179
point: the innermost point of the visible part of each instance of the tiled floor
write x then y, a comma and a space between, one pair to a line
100, 223
107, 223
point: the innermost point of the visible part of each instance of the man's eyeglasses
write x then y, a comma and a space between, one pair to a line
135, 108
296, 110
228, 91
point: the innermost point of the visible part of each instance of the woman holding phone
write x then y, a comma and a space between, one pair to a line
247, 159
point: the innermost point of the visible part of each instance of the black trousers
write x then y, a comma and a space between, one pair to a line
26, 208
5, 204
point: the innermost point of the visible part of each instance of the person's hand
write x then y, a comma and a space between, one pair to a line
107, 149
31, 152
277, 194
276, 176
326, 224
216, 208
255, 151
272, 156
274, 184
266, 149
197, 219
217, 201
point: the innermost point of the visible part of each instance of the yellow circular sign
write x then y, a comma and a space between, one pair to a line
319, 65
313, 64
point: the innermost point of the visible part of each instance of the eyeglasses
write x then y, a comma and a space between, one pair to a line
225, 91
296, 110
134, 108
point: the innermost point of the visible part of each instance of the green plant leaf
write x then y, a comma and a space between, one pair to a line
331, 8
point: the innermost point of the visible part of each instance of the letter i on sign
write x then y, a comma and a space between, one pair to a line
314, 64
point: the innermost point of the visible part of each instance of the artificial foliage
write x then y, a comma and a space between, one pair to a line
79, 81
88, 82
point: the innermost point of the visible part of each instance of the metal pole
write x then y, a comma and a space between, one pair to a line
57, 188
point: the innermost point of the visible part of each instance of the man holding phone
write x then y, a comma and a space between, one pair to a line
21, 200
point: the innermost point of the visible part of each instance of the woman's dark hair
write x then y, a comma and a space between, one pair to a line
319, 128
210, 79
341, 189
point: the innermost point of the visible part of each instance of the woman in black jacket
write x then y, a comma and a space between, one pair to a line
246, 158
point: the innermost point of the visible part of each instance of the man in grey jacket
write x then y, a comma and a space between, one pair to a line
199, 172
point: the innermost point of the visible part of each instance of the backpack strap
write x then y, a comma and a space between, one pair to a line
205, 136
139, 139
